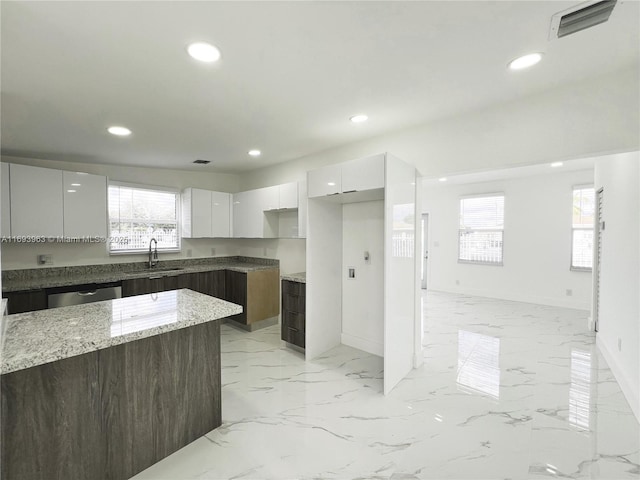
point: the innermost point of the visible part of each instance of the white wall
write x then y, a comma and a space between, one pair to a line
619, 312
363, 296
537, 241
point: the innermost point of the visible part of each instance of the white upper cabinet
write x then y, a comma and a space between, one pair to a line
302, 209
363, 174
268, 197
85, 204
205, 214
221, 214
325, 181
288, 195
36, 201
6, 202
241, 208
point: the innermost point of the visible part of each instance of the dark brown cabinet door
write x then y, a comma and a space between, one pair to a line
211, 283
293, 312
142, 286
27, 301
236, 292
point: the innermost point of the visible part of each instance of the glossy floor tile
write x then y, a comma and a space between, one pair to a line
508, 391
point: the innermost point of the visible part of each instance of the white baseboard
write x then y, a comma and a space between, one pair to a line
363, 344
517, 297
631, 394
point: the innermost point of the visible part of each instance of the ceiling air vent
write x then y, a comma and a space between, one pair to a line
581, 17
202, 162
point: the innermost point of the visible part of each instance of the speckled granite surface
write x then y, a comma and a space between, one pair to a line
36, 338
300, 277
35, 278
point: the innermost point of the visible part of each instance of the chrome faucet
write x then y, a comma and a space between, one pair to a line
153, 255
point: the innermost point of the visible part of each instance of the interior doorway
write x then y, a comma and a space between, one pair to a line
424, 249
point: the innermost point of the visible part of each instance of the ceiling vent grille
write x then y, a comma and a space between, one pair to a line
202, 162
577, 19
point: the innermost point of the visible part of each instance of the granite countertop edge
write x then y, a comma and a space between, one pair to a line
9, 286
214, 310
300, 277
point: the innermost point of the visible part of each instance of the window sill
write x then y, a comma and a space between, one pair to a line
144, 252
472, 262
581, 269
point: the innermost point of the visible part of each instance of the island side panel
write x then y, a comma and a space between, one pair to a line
161, 394
51, 422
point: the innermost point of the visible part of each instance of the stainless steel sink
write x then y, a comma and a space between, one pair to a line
176, 269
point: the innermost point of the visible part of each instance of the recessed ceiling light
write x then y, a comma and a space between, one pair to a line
75, 184
71, 191
204, 52
442, 179
525, 61
199, 161
556, 164
120, 131
359, 118
255, 153
331, 184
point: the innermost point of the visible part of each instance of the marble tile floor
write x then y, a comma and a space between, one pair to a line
508, 391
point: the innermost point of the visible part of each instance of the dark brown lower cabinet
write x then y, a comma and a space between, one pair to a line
141, 286
293, 312
236, 292
112, 413
27, 301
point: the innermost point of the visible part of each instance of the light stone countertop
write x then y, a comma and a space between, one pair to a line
36, 338
300, 277
34, 279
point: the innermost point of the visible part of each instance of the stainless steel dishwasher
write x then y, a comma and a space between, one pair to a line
79, 294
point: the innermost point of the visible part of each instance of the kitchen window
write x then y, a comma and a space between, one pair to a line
139, 213
582, 228
481, 233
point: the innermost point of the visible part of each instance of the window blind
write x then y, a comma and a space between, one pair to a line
480, 237
137, 214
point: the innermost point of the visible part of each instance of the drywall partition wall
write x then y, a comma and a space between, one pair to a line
537, 241
618, 334
572, 120
324, 268
363, 294
400, 286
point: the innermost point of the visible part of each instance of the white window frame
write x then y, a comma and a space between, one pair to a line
154, 188
460, 230
574, 229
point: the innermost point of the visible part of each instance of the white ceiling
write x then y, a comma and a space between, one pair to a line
291, 74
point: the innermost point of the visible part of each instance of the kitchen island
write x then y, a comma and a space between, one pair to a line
104, 390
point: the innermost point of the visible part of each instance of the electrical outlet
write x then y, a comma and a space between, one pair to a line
457, 282
189, 252
265, 251
46, 259
569, 292
213, 251
619, 344
352, 272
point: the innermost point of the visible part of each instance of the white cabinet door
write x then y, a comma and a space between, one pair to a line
268, 198
240, 210
324, 181
220, 214
200, 213
36, 201
85, 204
288, 195
363, 174
6, 202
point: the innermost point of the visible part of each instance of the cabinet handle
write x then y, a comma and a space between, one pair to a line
88, 293
329, 194
350, 191
293, 329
